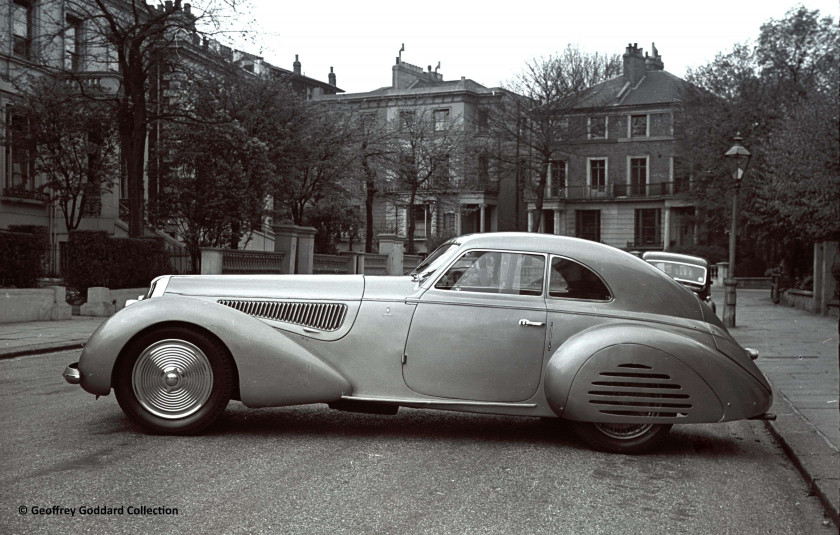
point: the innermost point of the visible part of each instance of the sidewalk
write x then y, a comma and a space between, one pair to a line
799, 355
26, 338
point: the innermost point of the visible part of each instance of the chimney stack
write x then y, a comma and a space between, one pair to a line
654, 61
296, 65
634, 64
331, 77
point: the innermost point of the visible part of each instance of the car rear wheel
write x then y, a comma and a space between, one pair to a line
174, 380
621, 438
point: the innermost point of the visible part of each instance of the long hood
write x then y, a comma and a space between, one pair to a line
316, 287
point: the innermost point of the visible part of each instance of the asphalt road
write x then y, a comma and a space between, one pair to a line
313, 470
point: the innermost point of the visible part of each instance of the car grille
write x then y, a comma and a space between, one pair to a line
638, 390
322, 316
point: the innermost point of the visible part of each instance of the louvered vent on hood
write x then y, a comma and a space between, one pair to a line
323, 316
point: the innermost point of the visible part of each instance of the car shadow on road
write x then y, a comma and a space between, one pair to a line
434, 425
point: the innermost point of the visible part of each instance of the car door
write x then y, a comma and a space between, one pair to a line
479, 332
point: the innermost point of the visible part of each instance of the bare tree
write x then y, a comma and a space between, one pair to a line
74, 142
310, 153
424, 151
371, 147
540, 114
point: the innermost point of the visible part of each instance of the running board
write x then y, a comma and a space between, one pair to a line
439, 402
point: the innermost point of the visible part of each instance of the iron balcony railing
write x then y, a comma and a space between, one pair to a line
446, 186
617, 191
20, 192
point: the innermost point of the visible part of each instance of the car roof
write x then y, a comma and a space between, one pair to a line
675, 257
636, 285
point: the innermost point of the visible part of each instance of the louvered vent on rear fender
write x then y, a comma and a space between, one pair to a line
638, 390
323, 316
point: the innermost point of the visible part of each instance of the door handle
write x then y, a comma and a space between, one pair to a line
526, 323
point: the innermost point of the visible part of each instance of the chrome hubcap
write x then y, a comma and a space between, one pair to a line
624, 431
172, 379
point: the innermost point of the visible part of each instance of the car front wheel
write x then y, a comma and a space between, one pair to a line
174, 380
621, 438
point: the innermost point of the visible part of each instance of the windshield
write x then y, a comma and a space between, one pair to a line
434, 260
686, 273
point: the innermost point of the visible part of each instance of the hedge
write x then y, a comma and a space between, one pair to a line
23, 252
95, 259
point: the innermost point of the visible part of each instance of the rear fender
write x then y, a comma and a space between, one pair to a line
636, 373
273, 368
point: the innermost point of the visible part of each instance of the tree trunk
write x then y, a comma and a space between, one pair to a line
538, 203
410, 216
370, 193
235, 234
133, 142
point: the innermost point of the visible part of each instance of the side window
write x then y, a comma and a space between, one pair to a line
574, 281
495, 272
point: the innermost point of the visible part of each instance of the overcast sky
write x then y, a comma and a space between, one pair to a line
490, 41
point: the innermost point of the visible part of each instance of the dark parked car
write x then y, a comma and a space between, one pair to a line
691, 271
503, 323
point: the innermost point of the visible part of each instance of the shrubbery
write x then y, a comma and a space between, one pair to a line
23, 251
95, 259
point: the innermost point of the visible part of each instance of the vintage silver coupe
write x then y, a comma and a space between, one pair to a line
504, 323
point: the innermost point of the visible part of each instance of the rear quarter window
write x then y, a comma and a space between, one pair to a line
571, 280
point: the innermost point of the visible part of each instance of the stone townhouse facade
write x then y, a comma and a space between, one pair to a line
619, 183
479, 198
51, 39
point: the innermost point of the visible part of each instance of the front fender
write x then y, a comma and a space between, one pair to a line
637, 373
273, 368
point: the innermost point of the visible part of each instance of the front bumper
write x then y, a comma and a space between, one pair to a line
71, 374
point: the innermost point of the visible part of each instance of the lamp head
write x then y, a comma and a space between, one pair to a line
739, 159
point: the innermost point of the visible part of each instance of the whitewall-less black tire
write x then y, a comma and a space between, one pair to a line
621, 438
174, 380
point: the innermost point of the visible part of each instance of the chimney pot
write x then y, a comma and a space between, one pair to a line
296, 66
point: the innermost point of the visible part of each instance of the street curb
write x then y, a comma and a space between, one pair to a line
809, 452
38, 349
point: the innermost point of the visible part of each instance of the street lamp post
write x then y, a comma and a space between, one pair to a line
739, 158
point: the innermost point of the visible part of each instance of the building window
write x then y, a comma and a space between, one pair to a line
598, 174
588, 224
20, 164
367, 121
483, 120
441, 172
73, 44
638, 126
449, 223
22, 27
418, 213
556, 177
441, 120
648, 231
406, 118
598, 127
638, 176
483, 169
